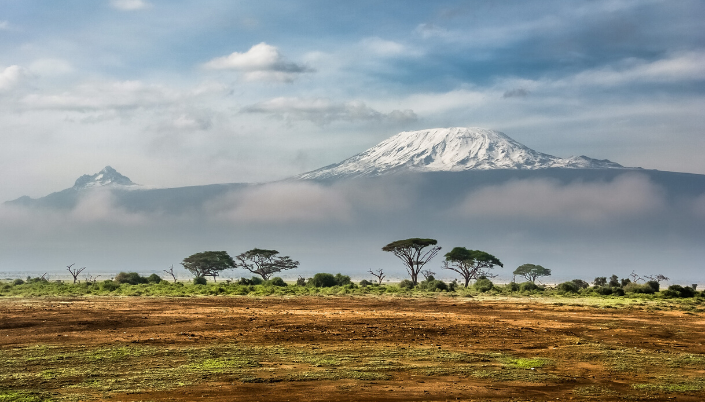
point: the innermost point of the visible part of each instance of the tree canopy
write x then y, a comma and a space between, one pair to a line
208, 263
411, 252
470, 264
264, 263
531, 271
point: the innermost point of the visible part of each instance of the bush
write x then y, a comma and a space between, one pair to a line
18, 281
679, 291
301, 281
365, 282
342, 280
132, 278
528, 286
512, 287
199, 280
276, 281
602, 290
654, 285
618, 291
483, 285
643, 288
568, 287
581, 284
109, 285
406, 284
323, 280
154, 278
255, 280
433, 285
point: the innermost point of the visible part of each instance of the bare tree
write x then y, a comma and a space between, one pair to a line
379, 275
91, 279
658, 278
171, 272
635, 277
74, 271
427, 273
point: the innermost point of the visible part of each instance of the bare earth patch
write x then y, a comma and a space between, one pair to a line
346, 348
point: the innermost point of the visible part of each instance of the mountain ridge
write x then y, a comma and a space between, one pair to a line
450, 149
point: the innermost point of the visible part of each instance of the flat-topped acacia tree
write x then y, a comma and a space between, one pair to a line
531, 272
264, 263
470, 264
411, 252
208, 263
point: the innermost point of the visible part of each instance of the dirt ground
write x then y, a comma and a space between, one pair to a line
347, 348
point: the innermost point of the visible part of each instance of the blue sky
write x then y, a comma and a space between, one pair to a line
175, 93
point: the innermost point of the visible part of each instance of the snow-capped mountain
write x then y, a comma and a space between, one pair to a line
450, 149
106, 177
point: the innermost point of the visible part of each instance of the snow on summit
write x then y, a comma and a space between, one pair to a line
106, 177
450, 149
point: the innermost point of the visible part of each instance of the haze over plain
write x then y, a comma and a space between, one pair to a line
212, 92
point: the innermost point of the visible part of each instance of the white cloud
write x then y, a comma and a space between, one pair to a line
104, 95
50, 67
262, 62
11, 76
4, 25
322, 111
680, 67
129, 5
386, 48
627, 196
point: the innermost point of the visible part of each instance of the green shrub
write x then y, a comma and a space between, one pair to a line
109, 285
255, 280
406, 284
433, 285
342, 280
365, 282
512, 287
602, 290
301, 281
199, 280
581, 284
483, 285
568, 287
276, 281
132, 278
154, 278
528, 286
618, 291
18, 281
679, 291
323, 280
654, 285
643, 288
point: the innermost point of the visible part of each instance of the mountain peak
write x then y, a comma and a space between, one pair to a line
450, 149
106, 177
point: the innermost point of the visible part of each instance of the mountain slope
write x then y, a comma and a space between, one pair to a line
450, 149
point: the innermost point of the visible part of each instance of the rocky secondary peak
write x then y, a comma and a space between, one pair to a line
106, 177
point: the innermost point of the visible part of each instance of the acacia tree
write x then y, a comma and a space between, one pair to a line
208, 263
531, 271
410, 251
264, 263
470, 264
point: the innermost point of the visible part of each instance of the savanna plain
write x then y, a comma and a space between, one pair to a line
387, 347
